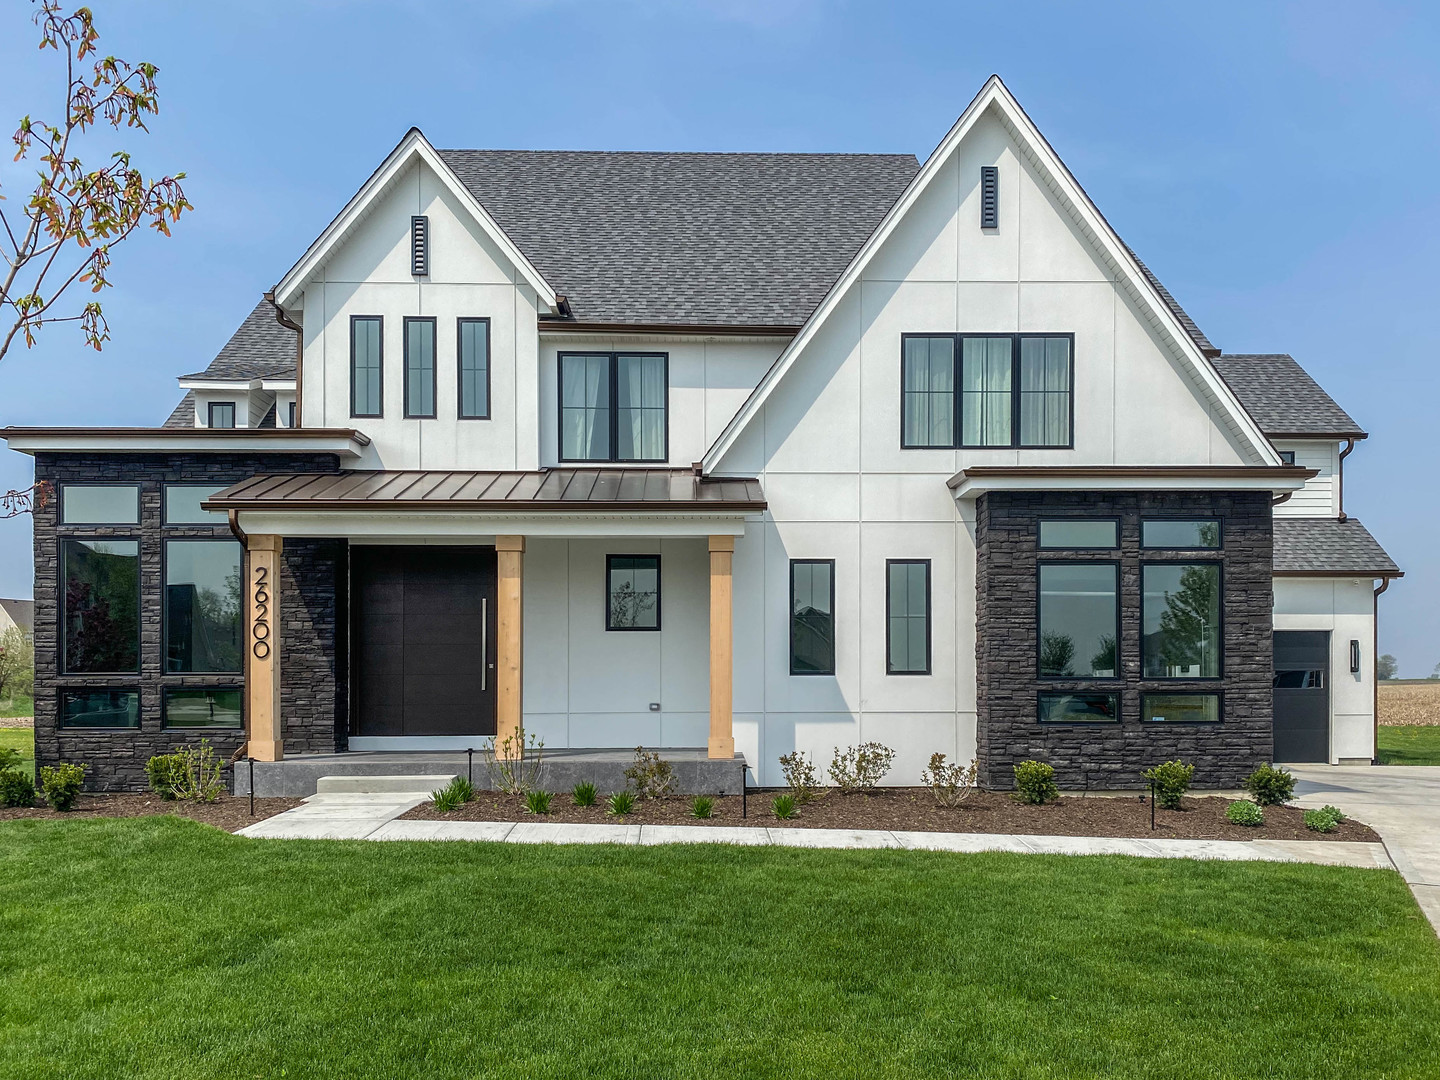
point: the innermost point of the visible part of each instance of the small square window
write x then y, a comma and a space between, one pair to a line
203, 708
1080, 533
1180, 708
1079, 709
632, 592
99, 709
1180, 535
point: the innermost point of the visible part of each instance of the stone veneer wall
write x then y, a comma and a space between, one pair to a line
1110, 756
117, 757
314, 650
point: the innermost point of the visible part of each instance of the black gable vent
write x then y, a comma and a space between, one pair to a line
419, 245
989, 197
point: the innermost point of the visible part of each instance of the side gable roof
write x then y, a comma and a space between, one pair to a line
1189, 345
1283, 398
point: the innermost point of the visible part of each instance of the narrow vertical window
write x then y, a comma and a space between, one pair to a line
420, 368
419, 246
639, 408
473, 337
928, 392
366, 365
989, 197
1045, 391
632, 588
222, 414
584, 407
985, 381
812, 617
907, 613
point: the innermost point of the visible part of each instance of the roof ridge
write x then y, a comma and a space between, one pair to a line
682, 153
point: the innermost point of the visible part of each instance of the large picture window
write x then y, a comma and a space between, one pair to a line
202, 606
812, 617
420, 369
473, 342
101, 601
1180, 615
367, 359
907, 616
1079, 620
632, 592
613, 407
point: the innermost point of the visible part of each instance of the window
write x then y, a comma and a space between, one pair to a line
1079, 623
1180, 535
207, 708
612, 407
907, 614
1180, 708
1287, 457
99, 709
99, 504
182, 504
101, 629
367, 359
202, 605
1299, 679
1080, 533
290, 414
1180, 620
632, 591
222, 414
474, 359
1014, 390
1079, 709
420, 368
812, 616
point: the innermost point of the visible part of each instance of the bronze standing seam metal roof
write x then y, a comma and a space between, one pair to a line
568, 489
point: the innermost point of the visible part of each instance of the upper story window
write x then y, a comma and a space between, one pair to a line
420, 368
182, 504
222, 414
1287, 457
473, 342
99, 504
613, 407
986, 390
290, 415
367, 357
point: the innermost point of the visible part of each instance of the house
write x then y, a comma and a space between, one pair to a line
741, 452
17, 613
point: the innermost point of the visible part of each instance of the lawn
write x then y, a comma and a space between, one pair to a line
22, 739
20, 705
1409, 745
159, 947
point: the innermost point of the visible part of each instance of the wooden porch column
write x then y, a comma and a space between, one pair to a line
722, 647
262, 647
509, 611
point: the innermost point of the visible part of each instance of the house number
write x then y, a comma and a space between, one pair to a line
260, 628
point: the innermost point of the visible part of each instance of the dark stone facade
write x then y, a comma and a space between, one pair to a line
314, 682
1111, 756
117, 757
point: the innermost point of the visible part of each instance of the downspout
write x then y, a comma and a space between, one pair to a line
1375, 669
1340, 478
290, 324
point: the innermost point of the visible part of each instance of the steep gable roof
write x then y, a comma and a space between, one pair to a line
259, 349
1283, 398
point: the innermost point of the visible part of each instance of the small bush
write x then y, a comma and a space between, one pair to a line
1171, 780
514, 763
800, 776
1244, 812
621, 803
538, 802
950, 784
62, 783
450, 797
651, 775
1270, 786
1333, 811
9, 758
165, 772
859, 768
1322, 820
198, 774
1035, 783
783, 807
583, 794
16, 789
702, 806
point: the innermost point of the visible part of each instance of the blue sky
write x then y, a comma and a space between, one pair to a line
1273, 163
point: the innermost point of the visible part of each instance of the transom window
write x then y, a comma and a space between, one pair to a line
99, 504
1180, 535
986, 390
613, 407
1079, 534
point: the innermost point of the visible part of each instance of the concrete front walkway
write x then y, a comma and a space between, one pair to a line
1400, 802
372, 817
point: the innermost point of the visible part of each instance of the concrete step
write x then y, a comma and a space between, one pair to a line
371, 785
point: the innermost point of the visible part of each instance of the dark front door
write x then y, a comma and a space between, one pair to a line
1302, 695
424, 640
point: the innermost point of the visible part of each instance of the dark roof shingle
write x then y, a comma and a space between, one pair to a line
260, 349
1325, 545
1282, 398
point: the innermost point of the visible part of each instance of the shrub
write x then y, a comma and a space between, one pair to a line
164, 772
1035, 783
621, 803
198, 775
950, 784
1270, 786
9, 758
538, 802
61, 784
800, 776
858, 768
514, 763
1322, 820
1333, 811
651, 775
702, 806
16, 789
583, 794
1244, 812
1171, 780
783, 807
450, 797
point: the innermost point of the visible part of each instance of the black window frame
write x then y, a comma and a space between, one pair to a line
1220, 627
957, 424
460, 324
165, 543
434, 367
233, 406
220, 522
379, 414
1040, 523
64, 692
1102, 680
166, 691
1219, 522
1217, 694
613, 407
290, 414
659, 591
929, 617
60, 508
1287, 457
63, 666
1047, 692
831, 564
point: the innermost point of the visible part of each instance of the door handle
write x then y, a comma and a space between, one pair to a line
484, 643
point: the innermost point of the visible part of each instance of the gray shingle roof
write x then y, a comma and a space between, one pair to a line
1325, 545
1282, 398
260, 349
1196, 335
184, 414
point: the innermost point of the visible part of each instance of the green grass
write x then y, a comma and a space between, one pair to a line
158, 947
22, 739
20, 705
1409, 745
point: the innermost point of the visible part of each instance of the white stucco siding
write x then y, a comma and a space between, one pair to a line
1320, 497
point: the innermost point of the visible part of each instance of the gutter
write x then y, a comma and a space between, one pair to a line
1375, 660
290, 324
1340, 476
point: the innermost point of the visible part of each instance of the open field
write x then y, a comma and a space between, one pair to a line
1417, 744
20, 705
1410, 703
158, 947
22, 739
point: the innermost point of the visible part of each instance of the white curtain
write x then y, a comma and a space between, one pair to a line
640, 412
1045, 391
929, 391
985, 383
585, 408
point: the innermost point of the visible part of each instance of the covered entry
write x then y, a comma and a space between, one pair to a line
1302, 695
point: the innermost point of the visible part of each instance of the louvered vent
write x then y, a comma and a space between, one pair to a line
419, 246
989, 197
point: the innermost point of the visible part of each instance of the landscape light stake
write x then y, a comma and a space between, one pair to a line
1152, 805
743, 790
251, 760
470, 765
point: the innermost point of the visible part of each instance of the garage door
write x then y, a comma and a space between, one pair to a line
1302, 695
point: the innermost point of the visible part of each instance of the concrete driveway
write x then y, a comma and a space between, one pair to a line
1400, 802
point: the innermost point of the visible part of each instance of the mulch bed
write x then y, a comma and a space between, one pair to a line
915, 809
230, 813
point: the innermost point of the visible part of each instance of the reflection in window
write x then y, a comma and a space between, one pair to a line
1079, 708
102, 605
1181, 620
202, 708
1300, 679
1078, 620
812, 617
99, 709
1180, 708
99, 504
202, 605
1166, 533
633, 592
